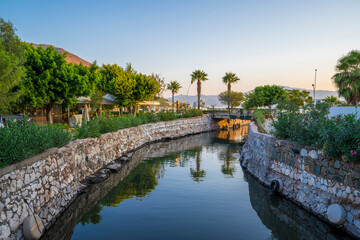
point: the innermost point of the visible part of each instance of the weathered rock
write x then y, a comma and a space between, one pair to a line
303, 152
313, 154
336, 214
114, 167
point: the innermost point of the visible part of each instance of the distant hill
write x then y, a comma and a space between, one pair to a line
70, 58
213, 99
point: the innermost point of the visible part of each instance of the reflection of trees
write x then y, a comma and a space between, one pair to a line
197, 174
228, 160
138, 184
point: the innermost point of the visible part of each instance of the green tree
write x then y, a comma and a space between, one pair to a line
174, 87
12, 72
232, 99
161, 83
265, 96
298, 97
332, 100
198, 76
50, 79
347, 78
116, 82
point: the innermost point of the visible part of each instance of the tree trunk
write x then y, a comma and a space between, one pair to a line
199, 92
229, 90
121, 111
198, 162
49, 109
173, 103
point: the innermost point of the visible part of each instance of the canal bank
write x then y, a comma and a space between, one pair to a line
189, 188
308, 178
47, 183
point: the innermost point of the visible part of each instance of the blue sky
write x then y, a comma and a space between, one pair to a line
263, 42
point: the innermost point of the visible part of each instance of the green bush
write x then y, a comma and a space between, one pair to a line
100, 125
259, 117
20, 141
337, 136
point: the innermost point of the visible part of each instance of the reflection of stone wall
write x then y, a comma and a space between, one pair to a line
46, 183
63, 228
308, 178
285, 219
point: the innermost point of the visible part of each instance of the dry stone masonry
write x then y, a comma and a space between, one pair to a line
309, 178
45, 184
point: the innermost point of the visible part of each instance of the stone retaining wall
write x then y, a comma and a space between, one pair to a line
45, 184
309, 178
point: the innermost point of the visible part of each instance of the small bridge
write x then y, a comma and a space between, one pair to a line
225, 120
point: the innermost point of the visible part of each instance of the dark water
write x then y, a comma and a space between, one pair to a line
190, 188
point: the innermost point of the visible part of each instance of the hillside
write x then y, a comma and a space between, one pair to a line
70, 58
213, 99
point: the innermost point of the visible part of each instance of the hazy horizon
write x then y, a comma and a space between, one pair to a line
263, 42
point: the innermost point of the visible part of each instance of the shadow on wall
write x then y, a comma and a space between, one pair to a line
285, 220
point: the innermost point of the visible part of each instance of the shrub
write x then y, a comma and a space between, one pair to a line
20, 140
100, 125
259, 117
337, 137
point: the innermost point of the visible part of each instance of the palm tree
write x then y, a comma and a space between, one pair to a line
332, 101
229, 79
174, 87
348, 77
197, 174
198, 76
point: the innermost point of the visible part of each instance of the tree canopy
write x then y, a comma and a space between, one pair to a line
264, 96
347, 78
50, 79
232, 99
12, 72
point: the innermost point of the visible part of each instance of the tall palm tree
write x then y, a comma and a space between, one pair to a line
198, 76
228, 79
174, 87
348, 77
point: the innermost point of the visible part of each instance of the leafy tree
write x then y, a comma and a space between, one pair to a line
51, 80
129, 68
198, 76
174, 87
161, 82
128, 87
298, 97
232, 99
145, 89
265, 96
115, 81
12, 72
347, 79
332, 101
96, 98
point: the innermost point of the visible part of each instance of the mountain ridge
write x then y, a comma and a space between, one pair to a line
70, 57
213, 99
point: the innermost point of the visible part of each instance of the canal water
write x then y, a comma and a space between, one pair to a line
189, 188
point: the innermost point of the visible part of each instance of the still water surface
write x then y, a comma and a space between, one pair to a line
190, 188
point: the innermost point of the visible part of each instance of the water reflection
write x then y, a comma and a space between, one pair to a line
155, 197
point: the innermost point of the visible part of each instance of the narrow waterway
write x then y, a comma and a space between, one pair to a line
189, 188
